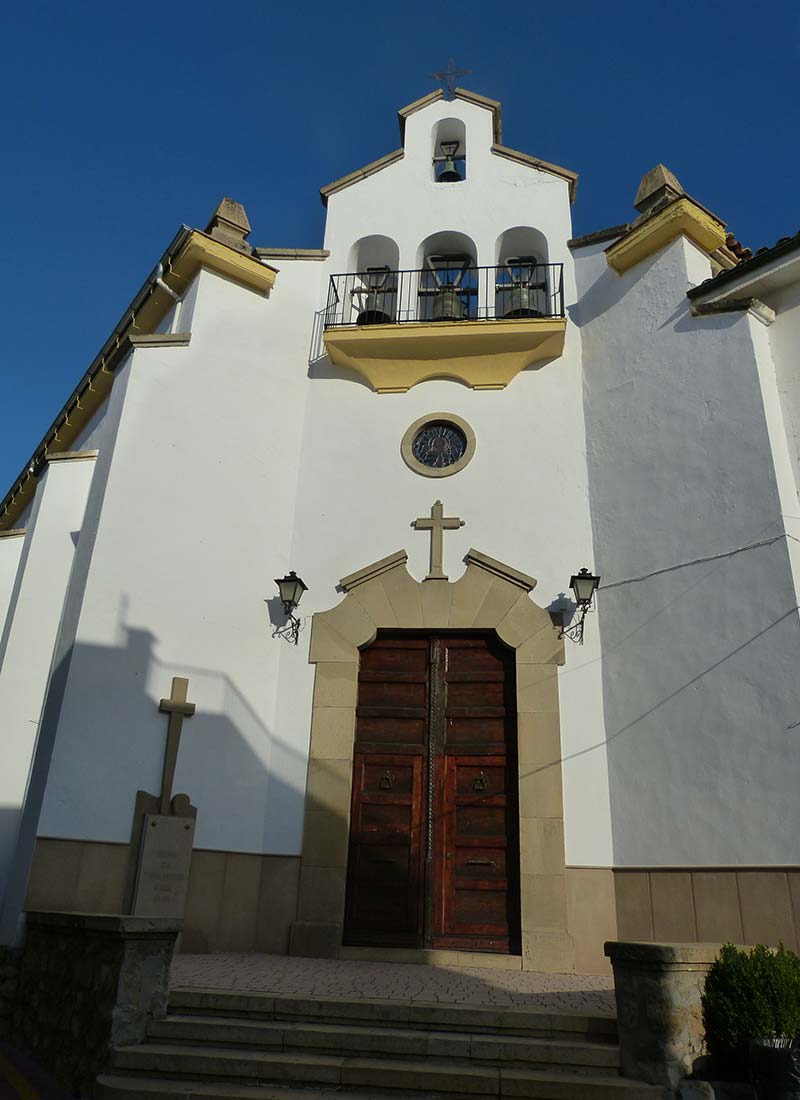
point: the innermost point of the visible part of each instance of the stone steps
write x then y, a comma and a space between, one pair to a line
452, 1078
377, 1013
252, 1046
575, 1055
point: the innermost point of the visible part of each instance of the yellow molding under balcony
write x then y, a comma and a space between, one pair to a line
682, 217
485, 355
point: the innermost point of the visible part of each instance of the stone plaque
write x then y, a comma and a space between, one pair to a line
165, 857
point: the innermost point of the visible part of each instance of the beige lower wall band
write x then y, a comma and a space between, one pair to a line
240, 901
237, 901
697, 905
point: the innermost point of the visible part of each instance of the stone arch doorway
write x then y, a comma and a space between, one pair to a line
384, 596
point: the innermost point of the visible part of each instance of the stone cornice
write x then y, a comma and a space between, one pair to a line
754, 306
542, 165
376, 569
359, 174
500, 569
682, 217
71, 456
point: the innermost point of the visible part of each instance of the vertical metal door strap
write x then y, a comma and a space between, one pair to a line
433, 724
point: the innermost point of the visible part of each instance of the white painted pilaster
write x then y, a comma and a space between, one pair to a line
26, 649
11, 544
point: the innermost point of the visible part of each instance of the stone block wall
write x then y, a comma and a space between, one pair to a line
9, 976
88, 983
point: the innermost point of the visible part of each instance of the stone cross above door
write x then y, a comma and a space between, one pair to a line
437, 524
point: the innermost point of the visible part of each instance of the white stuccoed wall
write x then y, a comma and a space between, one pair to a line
27, 647
231, 460
524, 496
10, 553
784, 336
192, 524
227, 462
699, 662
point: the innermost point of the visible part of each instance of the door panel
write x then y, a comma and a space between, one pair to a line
434, 853
384, 880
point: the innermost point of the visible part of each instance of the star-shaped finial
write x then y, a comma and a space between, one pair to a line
449, 76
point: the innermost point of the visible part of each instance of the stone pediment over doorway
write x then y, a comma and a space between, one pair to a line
384, 596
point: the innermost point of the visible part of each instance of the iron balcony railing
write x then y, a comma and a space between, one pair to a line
445, 291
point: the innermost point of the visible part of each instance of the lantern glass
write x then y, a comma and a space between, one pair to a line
583, 584
291, 588
449, 148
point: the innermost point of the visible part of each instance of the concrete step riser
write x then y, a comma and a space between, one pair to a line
374, 1042
131, 1089
517, 1022
378, 1074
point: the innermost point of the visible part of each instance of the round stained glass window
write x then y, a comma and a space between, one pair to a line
438, 445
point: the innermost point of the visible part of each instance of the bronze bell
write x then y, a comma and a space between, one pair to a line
374, 297
522, 294
447, 305
449, 172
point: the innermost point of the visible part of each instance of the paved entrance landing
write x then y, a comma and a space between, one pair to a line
407, 982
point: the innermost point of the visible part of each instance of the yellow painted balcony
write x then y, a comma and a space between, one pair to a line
478, 325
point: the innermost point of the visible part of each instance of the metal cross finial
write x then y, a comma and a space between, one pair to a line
437, 525
449, 76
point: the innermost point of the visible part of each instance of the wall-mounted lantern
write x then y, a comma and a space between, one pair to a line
291, 589
584, 585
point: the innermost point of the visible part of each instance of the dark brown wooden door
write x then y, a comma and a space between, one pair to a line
434, 857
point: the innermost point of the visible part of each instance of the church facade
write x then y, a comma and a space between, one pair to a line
435, 421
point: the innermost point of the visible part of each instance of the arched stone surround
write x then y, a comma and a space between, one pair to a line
384, 595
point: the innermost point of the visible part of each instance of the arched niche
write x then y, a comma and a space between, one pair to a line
370, 292
448, 281
523, 284
449, 163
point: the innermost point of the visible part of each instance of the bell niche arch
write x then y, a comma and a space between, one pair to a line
522, 287
372, 295
489, 597
448, 277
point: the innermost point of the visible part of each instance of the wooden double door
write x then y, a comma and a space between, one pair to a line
434, 828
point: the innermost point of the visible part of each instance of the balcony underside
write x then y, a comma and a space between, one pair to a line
485, 355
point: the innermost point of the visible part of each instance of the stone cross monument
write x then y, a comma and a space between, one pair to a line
163, 827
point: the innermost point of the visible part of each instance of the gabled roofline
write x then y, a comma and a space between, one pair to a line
359, 174
542, 165
497, 148
492, 105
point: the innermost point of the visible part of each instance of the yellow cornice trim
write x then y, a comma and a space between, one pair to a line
203, 251
485, 355
683, 217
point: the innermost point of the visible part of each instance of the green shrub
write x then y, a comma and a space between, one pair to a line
750, 995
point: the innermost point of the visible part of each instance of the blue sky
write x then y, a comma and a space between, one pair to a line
120, 122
